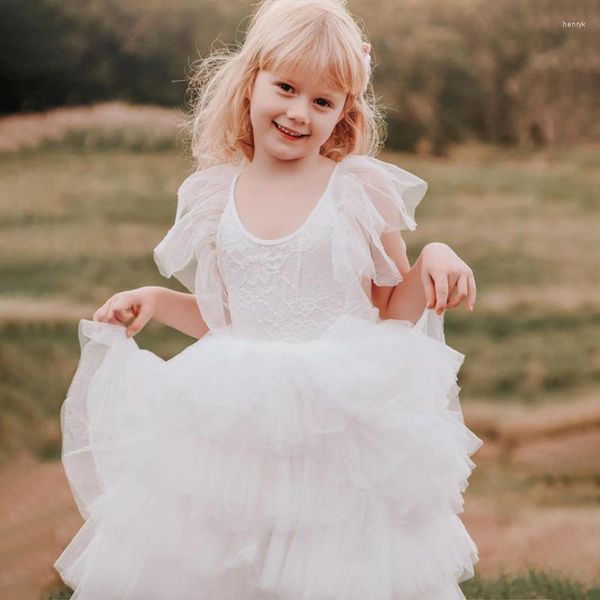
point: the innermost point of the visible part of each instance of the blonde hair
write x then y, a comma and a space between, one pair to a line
300, 36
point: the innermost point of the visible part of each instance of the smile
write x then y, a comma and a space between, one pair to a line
289, 133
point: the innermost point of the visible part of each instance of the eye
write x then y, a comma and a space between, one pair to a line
327, 103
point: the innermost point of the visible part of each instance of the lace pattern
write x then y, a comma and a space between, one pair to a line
284, 290
294, 287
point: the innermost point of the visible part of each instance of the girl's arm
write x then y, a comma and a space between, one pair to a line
405, 301
437, 274
178, 310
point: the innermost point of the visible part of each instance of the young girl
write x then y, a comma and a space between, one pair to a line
310, 444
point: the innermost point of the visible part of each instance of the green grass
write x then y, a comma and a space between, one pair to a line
78, 226
531, 356
97, 277
534, 584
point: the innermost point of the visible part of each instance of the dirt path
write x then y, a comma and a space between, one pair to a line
532, 500
37, 517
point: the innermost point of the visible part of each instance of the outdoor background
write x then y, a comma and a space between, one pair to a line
494, 104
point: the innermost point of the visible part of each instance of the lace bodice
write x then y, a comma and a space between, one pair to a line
285, 288
291, 288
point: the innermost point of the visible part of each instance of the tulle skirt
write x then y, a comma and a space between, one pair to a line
244, 468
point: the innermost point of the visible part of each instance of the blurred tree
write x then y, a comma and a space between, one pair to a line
557, 92
504, 72
425, 70
58, 52
35, 66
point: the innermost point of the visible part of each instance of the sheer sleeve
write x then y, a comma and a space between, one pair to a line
372, 197
188, 250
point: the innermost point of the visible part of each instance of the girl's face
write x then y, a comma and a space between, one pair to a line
307, 107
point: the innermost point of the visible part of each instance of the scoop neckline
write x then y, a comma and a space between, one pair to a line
294, 233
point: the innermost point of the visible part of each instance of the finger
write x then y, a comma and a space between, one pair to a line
452, 281
451, 298
123, 315
120, 310
441, 289
111, 316
100, 314
460, 290
120, 316
103, 313
429, 291
472, 292
138, 323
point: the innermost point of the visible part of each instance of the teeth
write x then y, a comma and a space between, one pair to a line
288, 131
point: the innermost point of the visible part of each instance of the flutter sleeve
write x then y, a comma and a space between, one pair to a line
188, 250
373, 197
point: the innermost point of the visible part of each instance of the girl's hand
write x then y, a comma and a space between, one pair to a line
138, 304
443, 274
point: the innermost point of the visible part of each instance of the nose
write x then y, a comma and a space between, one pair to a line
298, 111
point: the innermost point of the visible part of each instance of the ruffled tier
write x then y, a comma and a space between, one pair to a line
268, 469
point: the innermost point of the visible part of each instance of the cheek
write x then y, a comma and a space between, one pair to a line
261, 114
262, 103
328, 125
270, 109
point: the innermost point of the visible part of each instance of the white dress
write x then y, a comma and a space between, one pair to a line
303, 448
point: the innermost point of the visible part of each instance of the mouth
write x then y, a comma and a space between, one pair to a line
289, 134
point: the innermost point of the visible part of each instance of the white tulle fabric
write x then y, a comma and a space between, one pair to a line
303, 448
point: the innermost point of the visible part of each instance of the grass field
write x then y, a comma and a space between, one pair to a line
78, 224
83, 205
